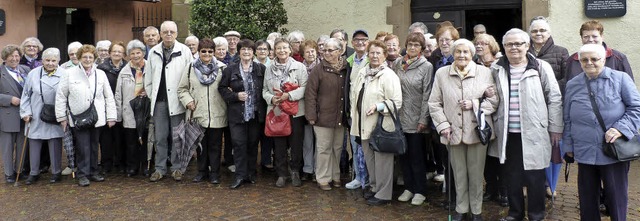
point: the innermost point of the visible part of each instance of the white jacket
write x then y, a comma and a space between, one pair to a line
177, 66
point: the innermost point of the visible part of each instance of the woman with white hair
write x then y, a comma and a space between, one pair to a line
296, 38
618, 102
73, 59
38, 98
103, 50
31, 47
458, 94
222, 46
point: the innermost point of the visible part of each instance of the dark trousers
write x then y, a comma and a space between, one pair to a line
518, 178
615, 179
438, 154
112, 150
245, 138
228, 147
136, 153
266, 148
494, 177
413, 167
293, 141
87, 151
209, 156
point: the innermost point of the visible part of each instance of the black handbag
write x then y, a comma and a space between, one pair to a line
89, 117
48, 112
389, 141
622, 149
483, 129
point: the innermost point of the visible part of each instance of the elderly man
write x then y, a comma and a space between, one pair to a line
166, 64
479, 29
102, 47
341, 35
151, 37
233, 37
418, 27
531, 93
192, 43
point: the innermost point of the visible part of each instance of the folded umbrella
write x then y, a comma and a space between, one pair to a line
67, 143
151, 139
186, 138
141, 106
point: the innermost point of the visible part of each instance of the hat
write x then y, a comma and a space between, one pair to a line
232, 33
360, 31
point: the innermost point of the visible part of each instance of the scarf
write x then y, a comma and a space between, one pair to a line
206, 73
312, 65
138, 75
116, 69
406, 62
339, 65
280, 71
373, 71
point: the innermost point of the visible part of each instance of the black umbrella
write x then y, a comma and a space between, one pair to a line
141, 106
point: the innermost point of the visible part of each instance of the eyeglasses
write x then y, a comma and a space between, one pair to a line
413, 45
542, 30
262, 49
514, 44
87, 57
31, 46
207, 51
296, 42
586, 60
445, 40
360, 40
392, 45
167, 32
281, 48
328, 50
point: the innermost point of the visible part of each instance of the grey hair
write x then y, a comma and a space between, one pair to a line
519, 32
31, 39
333, 41
295, 36
74, 45
540, 20
150, 29
221, 42
464, 42
428, 38
190, 38
419, 25
103, 44
479, 26
51, 53
598, 49
344, 34
273, 36
323, 38
136, 44
165, 23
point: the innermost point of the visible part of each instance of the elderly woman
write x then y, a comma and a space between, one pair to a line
458, 94
416, 74
430, 45
443, 55
40, 89
296, 38
618, 102
309, 50
487, 49
112, 150
528, 121
283, 70
381, 35
393, 48
198, 92
263, 49
12, 79
374, 86
320, 43
222, 46
129, 86
73, 61
31, 47
240, 86
329, 121
103, 51
84, 88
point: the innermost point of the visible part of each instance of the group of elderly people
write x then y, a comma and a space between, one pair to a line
439, 83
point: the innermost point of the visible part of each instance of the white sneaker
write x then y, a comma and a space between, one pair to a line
431, 175
67, 171
232, 168
439, 178
354, 184
418, 199
406, 196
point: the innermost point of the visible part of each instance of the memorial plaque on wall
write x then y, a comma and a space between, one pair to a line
3, 22
605, 8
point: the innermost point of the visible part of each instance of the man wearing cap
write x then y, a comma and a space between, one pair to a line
357, 61
233, 37
167, 63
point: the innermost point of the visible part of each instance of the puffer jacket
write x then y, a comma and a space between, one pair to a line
416, 84
448, 89
297, 75
211, 109
383, 87
125, 87
324, 95
540, 111
555, 55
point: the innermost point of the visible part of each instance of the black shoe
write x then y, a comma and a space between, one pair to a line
486, 197
200, 177
131, 173
96, 178
31, 180
57, 177
377, 202
10, 179
44, 169
83, 181
251, 179
458, 216
146, 173
269, 168
295, 179
236, 184
306, 176
214, 179
476, 217
508, 218
368, 194
503, 201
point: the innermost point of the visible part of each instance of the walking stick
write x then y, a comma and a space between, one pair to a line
24, 145
447, 179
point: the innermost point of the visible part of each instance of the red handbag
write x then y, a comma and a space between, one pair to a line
289, 107
277, 125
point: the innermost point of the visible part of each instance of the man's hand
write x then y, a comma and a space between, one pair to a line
63, 124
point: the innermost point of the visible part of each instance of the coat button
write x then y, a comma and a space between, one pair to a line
459, 114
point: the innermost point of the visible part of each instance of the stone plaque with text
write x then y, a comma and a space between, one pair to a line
605, 8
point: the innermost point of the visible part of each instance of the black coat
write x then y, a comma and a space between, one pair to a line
555, 55
232, 83
112, 72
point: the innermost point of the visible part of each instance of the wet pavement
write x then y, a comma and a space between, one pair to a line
135, 198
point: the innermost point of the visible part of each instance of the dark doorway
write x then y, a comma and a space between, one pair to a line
497, 21
57, 27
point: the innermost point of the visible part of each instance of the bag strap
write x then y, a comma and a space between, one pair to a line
40, 81
594, 105
478, 117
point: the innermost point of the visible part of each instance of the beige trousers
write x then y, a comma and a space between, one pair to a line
380, 168
468, 170
328, 150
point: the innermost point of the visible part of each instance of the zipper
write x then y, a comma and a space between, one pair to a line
208, 108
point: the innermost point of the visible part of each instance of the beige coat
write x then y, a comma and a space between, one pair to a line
297, 75
125, 87
448, 89
211, 109
179, 65
383, 87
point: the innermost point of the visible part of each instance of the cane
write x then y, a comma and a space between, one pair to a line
447, 179
24, 145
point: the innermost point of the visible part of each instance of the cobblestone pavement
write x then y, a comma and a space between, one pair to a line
124, 198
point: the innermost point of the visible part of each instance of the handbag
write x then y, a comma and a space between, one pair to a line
287, 106
277, 125
389, 141
483, 129
622, 149
89, 117
48, 112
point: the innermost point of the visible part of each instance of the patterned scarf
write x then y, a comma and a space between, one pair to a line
312, 65
406, 62
206, 73
373, 71
139, 88
338, 65
280, 71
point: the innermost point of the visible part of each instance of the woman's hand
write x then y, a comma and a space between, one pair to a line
372, 109
111, 123
465, 104
490, 91
446, 133
192, 106
555, 138
242, 96
27, 119
421, 127
63, 124
611, 135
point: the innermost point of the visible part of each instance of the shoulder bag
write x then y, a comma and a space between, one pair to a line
389, 141
622, 149
48, 112
277, 125
483, 128
89, 117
